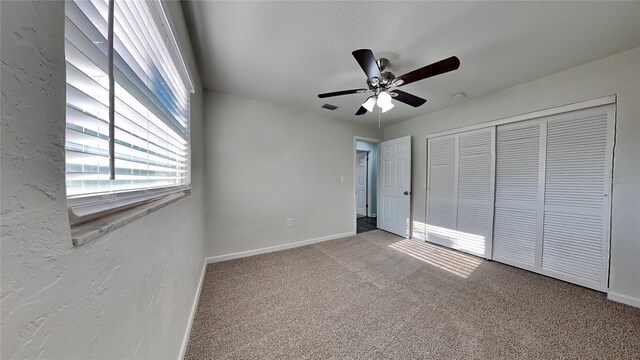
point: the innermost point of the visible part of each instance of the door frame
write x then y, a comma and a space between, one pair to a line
354, 210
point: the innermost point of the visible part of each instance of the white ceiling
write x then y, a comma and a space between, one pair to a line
288, 52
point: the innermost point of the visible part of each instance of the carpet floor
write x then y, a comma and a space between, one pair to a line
378, 296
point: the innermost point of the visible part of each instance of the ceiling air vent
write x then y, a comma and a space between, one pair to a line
329, 107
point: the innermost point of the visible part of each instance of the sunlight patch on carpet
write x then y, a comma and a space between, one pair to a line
448, 260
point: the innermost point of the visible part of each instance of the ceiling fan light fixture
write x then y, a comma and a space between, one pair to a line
384, 98
384, 101
370, 103
386, 107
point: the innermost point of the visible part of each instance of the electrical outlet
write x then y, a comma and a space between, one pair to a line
342, 178
289, 222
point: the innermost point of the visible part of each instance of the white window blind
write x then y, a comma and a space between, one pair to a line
151, 101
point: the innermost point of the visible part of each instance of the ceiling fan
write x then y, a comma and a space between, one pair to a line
383, 84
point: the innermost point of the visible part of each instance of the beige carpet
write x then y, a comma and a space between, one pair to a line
377, 296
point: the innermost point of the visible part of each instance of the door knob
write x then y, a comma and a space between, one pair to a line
406, 193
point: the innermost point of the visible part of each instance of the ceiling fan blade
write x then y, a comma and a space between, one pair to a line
368, 63
361, 111
408, 99
343, 92
434, 69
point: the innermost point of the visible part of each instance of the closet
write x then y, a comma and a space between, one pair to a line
534, 193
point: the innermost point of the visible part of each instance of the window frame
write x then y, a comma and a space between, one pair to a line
85, 208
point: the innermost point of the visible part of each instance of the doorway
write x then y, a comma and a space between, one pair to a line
366, 171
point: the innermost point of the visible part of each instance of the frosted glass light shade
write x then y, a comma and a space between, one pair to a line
384, 101
386, 107
370, 103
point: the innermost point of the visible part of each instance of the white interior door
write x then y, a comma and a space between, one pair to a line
395, 188
361, 183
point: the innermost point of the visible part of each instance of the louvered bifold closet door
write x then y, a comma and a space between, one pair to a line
441, 191
518, 205
460, 191
475, 192
577, 191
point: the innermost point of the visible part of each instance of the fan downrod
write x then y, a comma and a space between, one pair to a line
383, 63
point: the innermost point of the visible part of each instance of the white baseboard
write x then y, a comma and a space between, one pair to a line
625, 299
187, 333
269, 249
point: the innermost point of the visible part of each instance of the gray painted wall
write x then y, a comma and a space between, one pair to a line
618, 74
125, 295
373, 171
266, 163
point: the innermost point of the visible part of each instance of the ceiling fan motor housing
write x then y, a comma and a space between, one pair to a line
387, 79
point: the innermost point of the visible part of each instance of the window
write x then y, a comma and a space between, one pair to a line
127, 128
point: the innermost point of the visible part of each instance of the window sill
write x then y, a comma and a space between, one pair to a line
87, 232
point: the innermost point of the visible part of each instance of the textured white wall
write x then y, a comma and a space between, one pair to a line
618, 74
125, 295
266, 163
